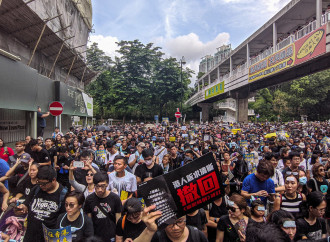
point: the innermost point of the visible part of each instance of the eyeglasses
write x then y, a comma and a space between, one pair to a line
322, 210
233, 209
90, 174
103, 186
292, 173
43, 183
70, 205
179, 223
321, 169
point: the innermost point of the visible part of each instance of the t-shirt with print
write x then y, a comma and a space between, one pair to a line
321, 186
104, 227
130, 230
312, 232
43, 209
143, 171
123, 185
230, 233
25, 187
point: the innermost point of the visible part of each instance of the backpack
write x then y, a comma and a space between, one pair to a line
62, 195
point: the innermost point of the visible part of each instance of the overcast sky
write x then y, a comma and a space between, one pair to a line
190, 28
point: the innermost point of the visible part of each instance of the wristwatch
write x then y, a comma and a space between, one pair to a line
215, 220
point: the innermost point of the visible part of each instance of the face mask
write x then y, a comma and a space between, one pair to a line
303, 180
148, 162
195, 149
118, 144
182, 148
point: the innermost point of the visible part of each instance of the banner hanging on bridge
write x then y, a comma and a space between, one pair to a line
215, 90
302, 50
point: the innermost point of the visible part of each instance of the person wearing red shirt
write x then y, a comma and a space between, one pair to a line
5, 151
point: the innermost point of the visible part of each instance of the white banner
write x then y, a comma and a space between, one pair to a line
89, 104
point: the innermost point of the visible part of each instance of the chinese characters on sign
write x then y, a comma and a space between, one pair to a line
58, 235
191, 186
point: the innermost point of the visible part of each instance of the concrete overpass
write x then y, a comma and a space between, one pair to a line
293, 43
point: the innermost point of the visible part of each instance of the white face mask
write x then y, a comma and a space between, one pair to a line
148, 162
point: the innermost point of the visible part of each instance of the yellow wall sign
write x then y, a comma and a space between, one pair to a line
279, 61
215, 90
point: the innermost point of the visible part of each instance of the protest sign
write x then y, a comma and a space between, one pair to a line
58, 235
183, 190
184, 128
243, 144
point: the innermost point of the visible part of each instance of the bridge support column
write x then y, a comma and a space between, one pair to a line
205, 110
274, 36
231, 65
242, 110
247, 55
209, 79
218, 72
318, 13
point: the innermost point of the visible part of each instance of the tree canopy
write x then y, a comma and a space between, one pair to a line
138, 84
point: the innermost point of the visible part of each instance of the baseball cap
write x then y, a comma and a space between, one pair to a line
25, 157
142, 145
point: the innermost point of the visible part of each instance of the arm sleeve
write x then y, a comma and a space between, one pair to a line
87, 208
324, 226
118, 206
77, 186
89, 228
246, 185
271, 186
119, 230
221, 224
10, 151
137, 171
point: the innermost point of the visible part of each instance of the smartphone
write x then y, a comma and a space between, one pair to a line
78, 164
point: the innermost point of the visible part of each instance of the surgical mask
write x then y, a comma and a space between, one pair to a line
182, 148
148, 162
195, 149
303, 180
118, 144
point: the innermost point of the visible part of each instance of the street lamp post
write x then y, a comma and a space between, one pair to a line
182, 62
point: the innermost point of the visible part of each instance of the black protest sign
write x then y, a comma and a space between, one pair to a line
195, 184
191, 187
156, 192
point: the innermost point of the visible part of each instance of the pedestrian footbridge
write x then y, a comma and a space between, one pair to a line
292, 44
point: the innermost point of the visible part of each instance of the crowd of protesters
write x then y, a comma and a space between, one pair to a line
275, 177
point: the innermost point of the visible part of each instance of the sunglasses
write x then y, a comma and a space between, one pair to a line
231, 209
70, 205
90, 174
292, 173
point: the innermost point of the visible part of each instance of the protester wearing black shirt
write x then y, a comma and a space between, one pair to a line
39, 154
197, 219
81, 224
130, 226
62, 166
52, 150
104, 208
43, 205
149, 169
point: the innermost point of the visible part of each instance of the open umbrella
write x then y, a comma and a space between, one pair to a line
103, 128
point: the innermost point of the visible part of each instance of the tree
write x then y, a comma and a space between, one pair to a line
139, 83
96, 58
